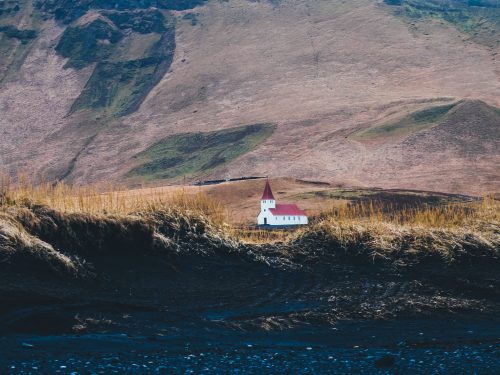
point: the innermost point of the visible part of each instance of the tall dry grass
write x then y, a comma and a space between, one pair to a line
448, 230
451, 215
107, 199
343, 220
346, 221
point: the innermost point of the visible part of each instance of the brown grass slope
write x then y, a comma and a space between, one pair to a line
463, 148
470, 129
319, 70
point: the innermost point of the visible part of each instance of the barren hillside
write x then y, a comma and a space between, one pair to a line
366, 92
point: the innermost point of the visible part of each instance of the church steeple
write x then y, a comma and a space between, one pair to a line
267, 201
268, 193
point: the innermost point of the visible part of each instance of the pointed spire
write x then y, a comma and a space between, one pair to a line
268, 193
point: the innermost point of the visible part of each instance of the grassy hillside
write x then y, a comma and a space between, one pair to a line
78, 101
87, 44
190, 153
413, 122
471, 129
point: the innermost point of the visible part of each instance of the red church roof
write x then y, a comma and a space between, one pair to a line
287, 210
268, 194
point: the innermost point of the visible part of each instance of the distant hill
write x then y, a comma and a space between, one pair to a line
454, 145
389, 93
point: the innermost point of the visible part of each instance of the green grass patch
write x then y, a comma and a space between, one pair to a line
114, 86
189, 153
119, 87
413, 122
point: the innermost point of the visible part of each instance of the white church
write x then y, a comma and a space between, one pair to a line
272, 214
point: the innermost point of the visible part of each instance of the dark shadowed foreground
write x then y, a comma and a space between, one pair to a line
163, 292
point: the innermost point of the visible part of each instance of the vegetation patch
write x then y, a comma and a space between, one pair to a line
191, 17
25, 36
106, 33
9, 8
389, 201
84, 45
117, 87
70, 10
83, 221
189, 153
408, 124
124, 73
479, 18
140, 21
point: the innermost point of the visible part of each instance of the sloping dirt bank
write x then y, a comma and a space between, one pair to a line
98, 286
148, 258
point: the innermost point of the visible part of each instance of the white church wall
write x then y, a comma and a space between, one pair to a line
265, 206
288, 220
280, 220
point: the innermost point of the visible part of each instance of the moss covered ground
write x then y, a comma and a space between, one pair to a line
413, 122
189, 153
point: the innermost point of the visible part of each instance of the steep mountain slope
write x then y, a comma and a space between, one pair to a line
362, 92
